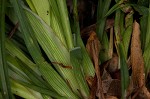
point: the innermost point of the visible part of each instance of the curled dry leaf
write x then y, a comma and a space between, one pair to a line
137, 62
93, 47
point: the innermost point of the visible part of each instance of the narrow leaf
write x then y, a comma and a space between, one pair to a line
124, 71
6, 91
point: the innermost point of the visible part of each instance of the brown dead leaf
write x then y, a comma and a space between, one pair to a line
137, 62
137, 58
112, 87
93, 47
115, 88
93, 87
106, 75
106, 85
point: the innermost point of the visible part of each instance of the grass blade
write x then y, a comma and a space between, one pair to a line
53, 48
128, 31
41, 90
41, 8
147, 47
101, 19
29, 37
27, 31
76, 60
24, 92
88, 67
62, 7
6, 91
124, 70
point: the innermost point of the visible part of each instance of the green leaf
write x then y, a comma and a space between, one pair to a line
113, 9
34, 77
56, 81
41, 90
54, 49
124, 70
127, 32
62, 7
147, 47
143, 25
76, 60
24, 92
16, 52
88, 67
101, 18
30, 36
27, 31
41, 8
6, 91
141, 9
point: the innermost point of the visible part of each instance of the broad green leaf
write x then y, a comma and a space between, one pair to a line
76, 60
24, 92
34, 77
27, 31
54, 49
56, 81
62, 7
87, 64
30, 36
41, 90
41, 7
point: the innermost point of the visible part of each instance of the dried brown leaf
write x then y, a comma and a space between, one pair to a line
93, 47
112, 87
93, 87
115, 88
137, 58
106, 85
137, 62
